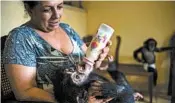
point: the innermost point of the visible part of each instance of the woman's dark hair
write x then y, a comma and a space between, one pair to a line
31, 4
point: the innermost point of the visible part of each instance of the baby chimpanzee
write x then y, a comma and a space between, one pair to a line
66, 91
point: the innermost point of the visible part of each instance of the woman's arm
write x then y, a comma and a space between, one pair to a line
23, 83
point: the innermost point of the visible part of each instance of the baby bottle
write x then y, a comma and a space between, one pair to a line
98, 42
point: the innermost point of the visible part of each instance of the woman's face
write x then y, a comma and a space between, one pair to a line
47, 14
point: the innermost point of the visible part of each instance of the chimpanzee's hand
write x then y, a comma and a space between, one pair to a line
138, 96
92, 99
96, 89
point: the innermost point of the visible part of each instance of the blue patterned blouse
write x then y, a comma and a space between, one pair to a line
25, 47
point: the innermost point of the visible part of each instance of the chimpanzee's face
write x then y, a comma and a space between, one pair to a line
68, 87
151, 45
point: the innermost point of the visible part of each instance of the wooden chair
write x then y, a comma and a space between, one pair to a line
6, 91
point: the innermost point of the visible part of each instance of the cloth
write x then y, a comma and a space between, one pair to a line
25, 47
146, 65
151, 68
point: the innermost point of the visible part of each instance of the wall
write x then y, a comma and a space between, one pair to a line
77, 18
13, 15
135, 21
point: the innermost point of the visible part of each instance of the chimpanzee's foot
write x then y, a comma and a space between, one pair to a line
138, 96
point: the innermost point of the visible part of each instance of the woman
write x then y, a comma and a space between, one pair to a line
36, 49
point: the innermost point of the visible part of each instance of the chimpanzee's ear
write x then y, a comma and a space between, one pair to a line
145, 44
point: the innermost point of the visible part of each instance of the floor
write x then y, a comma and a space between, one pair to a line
157, 98
140, 84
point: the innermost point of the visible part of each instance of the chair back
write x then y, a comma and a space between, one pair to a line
6, 91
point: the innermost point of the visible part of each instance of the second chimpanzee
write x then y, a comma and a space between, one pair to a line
148, 57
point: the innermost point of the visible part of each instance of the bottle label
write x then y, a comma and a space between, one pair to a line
99, 41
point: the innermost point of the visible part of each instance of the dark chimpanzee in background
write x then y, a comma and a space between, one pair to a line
148, 57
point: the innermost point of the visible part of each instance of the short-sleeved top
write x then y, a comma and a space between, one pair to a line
25, 47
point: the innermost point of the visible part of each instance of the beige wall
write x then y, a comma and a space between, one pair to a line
135, 21
77, 18
12, 15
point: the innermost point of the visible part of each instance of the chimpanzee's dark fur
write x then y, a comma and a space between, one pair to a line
67, 92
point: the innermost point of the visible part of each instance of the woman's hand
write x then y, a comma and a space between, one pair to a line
105, 65
103, 55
